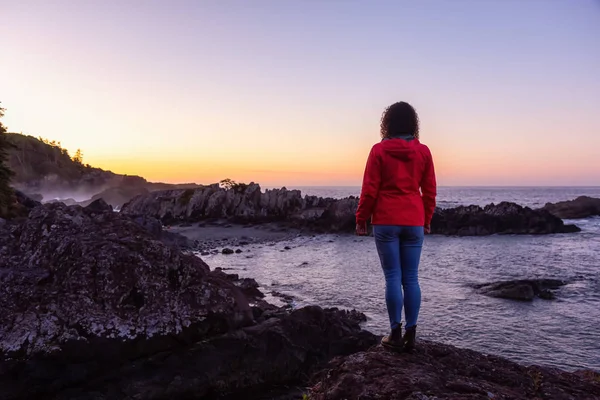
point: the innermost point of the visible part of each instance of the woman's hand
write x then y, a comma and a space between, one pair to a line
361, 229
427, 229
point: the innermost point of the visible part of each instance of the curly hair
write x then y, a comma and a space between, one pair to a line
399, 119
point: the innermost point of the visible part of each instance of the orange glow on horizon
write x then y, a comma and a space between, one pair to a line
230, 92
450, 172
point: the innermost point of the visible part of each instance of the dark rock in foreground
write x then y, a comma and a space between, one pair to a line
99, 205
524, 290
438, 371
503, 218
155, 228
247, 204
581, 207
94, 306
244, 363
82, 287
248, 286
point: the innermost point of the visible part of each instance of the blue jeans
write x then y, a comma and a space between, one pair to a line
399, 249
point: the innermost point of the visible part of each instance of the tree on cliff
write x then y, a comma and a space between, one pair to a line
78, 157
227, 184
6, 193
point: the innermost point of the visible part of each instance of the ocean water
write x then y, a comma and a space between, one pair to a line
534, 197
344, 271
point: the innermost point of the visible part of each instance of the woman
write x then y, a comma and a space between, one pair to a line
398, 195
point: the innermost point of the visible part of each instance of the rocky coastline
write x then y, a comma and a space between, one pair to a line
248, 204
581, 207
98, 304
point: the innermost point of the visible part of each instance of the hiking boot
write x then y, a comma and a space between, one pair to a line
394, 339
409, 338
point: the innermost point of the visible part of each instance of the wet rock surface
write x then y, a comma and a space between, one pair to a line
438, 371
247, 204
581, 207
523, 290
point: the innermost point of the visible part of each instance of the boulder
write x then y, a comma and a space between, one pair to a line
503, 218
439, 371
248, 286
155, 228
86, 292
581, 207
524, 290
99, 206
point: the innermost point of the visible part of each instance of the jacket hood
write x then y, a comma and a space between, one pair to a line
400, 148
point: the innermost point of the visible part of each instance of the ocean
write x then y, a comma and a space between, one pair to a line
344, 271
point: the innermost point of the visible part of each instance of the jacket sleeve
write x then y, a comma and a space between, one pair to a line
428, 188
370, 187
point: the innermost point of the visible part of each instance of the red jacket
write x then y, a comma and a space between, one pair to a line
399, 185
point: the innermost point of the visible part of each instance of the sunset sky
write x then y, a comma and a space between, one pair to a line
290, 92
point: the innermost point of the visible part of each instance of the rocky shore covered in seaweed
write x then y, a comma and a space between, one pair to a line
98, 304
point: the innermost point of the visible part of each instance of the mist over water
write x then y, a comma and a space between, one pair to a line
344, 271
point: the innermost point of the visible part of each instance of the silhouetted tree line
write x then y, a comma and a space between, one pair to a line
32, 159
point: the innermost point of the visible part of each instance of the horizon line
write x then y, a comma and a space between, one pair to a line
456, 186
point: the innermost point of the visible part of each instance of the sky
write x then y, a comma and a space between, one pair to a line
291, 92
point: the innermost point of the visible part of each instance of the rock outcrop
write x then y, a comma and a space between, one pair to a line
438, 371
246, 203
155, 228
70, 275
119, 195
503, 218
241, 364
95, 306
581, 207
523, 290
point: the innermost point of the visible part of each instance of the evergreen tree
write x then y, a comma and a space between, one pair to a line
6, 193
78, 158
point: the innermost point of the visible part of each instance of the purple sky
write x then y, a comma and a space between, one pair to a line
291, 92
